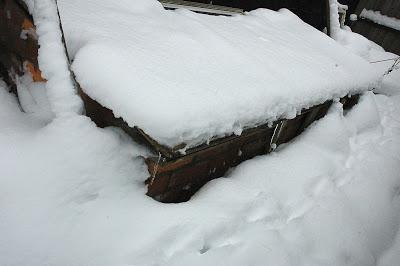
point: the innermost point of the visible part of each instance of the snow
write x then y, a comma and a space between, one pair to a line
73, 194
381, 60
32, 97
381, 19
392, 256
187, 77
334, 18
391, 83
361, 46
52, 59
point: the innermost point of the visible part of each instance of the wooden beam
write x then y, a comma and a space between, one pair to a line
200, 7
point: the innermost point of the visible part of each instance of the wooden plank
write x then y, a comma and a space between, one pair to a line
201, 7
18, 43
13, 20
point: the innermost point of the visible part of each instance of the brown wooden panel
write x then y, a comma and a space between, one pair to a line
14, 19
15, 51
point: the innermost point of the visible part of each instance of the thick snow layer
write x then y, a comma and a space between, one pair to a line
186, 77
379, 59
361, 46
378, 18
52, 59
73, 194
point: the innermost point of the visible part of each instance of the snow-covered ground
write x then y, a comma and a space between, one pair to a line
74, 194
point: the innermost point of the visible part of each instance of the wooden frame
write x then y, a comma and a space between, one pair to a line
208, 9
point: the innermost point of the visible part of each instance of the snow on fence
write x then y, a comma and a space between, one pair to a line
377, 17
380, 22
26, 47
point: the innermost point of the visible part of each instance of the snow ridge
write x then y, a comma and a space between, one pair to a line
52, 59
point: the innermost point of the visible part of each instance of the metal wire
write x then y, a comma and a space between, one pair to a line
385, 60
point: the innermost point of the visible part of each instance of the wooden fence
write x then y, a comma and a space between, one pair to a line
387, 37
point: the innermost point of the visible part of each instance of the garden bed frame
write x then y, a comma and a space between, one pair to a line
174, 177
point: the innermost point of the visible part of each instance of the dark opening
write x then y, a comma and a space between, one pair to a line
312, 12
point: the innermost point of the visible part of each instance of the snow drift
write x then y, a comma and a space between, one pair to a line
53, 60
86, 206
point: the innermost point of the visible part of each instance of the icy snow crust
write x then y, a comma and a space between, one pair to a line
187, 77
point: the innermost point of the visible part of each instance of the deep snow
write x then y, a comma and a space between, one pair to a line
187, 77
73, 194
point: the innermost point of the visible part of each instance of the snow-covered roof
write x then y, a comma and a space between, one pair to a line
184, 77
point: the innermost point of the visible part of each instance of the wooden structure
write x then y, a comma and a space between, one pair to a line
203, 8
18, 42
173, 177
311, 11
178, 179
387, 37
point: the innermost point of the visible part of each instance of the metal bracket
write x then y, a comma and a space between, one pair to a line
277, 133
